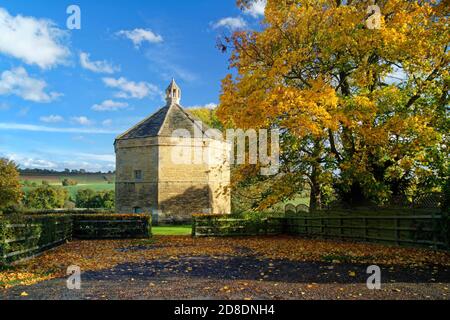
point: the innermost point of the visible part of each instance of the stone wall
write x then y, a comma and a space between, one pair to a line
132, 155
171, 190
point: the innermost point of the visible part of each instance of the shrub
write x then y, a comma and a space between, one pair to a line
69, 205
88, 198
26, 183
46, 197
69, 182
10, 188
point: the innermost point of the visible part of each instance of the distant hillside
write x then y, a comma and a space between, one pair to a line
66, 172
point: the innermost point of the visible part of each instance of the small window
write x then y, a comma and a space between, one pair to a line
137, 210
138, 174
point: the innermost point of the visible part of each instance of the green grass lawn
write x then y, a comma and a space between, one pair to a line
183, 230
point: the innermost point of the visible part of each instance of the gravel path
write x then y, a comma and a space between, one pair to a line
240, 277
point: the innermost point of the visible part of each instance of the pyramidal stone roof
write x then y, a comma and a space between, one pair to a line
166, 120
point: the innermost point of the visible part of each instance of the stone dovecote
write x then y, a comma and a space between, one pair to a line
150, 179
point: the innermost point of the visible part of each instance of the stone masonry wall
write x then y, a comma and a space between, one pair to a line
171, 190
134, 155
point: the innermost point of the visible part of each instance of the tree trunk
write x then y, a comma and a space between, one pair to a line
315, 195
315, 198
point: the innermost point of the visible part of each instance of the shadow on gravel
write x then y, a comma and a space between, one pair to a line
252, 268
187, 275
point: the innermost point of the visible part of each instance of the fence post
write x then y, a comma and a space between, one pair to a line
306, 226
447, 232
150, 225
2, 240
435, 231
397, 226
284, 223
194, 224
365, 228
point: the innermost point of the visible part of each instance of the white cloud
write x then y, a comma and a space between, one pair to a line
109, 105
107, 122
130, 89
59, 160
37, 128
256, 9
231, 23
31, 162
206, 106
52, 119
138, 36
97, 66
19, 83
84, 121
34, 41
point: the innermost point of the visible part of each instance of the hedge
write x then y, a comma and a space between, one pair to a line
25, 236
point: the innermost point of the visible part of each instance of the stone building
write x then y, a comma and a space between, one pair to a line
172, 175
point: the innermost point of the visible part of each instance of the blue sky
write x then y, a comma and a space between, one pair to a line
65, 94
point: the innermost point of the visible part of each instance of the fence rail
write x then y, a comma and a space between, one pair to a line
430, 230
28, 236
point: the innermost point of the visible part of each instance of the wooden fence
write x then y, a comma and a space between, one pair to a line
427, 230
420, 230
210, 226
112, 226
23, 237
29, 236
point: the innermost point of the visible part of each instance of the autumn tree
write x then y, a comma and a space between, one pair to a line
207, 116
46, 197
10, 188
363, 107
88, 198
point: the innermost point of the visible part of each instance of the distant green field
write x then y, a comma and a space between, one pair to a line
183, 230
96, 182
81, 178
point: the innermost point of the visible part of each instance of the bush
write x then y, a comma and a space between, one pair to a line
69, 182
16, 209
46, 197
10, 188
88, 198
26, 183
69, 205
